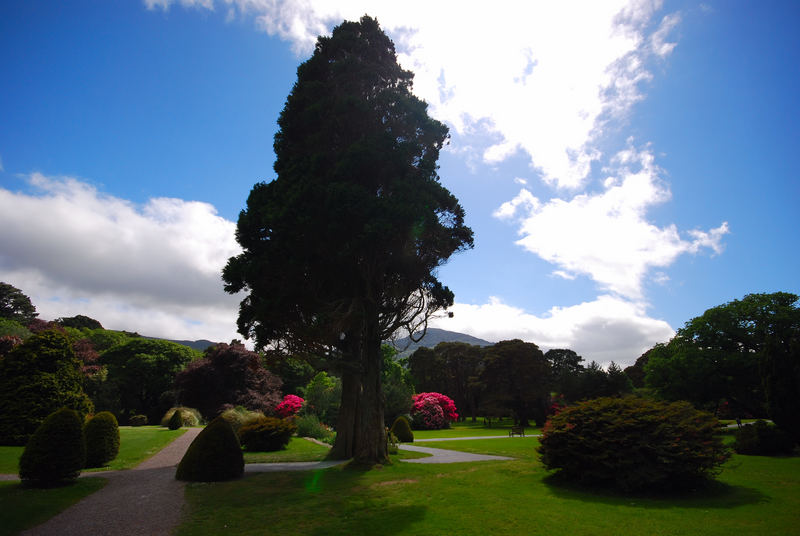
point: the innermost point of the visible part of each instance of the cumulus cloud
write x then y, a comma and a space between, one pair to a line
606, 329
538, 77
153, 268
607, 235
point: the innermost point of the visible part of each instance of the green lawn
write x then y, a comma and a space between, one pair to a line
753, 496
298, 450
136, 445
22, 508
470, 429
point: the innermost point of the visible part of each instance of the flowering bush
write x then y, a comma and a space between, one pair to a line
289, 407
433, 411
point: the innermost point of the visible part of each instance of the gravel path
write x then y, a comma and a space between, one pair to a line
146, 500
448, 456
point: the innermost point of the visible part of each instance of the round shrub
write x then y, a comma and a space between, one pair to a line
214, 455
762, 439
266, 434
189, 416
102, 439
631, 443
433, 411
401, 428
138, 420
289, 406
176, 421
56, 451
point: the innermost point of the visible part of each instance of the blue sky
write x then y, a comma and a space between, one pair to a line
624, 166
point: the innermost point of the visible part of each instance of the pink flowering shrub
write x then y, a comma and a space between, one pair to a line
433, 411
289, 407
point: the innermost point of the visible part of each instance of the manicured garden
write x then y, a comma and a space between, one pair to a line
752, 496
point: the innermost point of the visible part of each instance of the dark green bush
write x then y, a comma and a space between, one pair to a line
213, 456
37, 378
138, 420
176, 421
632, 443
189, 416
102, 439
402, 429
266, 434
762, 439
239, 415
56, 451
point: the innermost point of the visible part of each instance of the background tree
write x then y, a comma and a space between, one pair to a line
15, 305
323, 395
294, 371
140, 371
78, 322
396, 384
517, 376
566, 369
37, 378
228, 375
340, 250
722, 354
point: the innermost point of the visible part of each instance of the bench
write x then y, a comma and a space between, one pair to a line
519, 430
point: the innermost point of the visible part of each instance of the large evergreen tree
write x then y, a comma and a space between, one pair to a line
341, 249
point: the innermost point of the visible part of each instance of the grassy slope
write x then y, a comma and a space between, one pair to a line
753, 496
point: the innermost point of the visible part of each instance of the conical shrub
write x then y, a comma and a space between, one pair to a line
214, 455
102, 439
56, 451
176, 421
402, 429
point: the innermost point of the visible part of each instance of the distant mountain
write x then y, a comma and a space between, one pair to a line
434, 336
200, 345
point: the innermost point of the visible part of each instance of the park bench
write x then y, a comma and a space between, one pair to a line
519, 430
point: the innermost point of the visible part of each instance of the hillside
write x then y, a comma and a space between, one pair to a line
434, 336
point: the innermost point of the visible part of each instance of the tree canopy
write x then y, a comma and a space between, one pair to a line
340, 250
15, 305
744, 351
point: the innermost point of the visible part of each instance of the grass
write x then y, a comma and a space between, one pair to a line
298, 450
136, 445
22, 508
470, 429
753, 496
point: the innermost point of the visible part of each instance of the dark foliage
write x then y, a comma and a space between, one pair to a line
228, 375
140, 371
37, 378
214, 455
266, 434
341, 249
79, 322
176, 421
402, 430
138, 420
631, 443
56, 452
762, 439
15, 305
102, 439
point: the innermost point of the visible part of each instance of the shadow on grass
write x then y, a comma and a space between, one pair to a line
385, 520
709, 494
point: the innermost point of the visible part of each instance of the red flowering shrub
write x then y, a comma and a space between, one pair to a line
433, 411
289, 407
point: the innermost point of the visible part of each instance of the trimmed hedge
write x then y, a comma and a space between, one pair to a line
214, 455
102, 439
762, 439
632, 443
138, 420
176, 421
266, 434
402, 429
56, 451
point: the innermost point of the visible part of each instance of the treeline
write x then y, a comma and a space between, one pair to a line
512, 378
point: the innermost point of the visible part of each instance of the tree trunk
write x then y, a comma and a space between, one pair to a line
347, 423
371, 448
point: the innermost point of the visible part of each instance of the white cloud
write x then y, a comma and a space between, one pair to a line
606, 235
606, 329
153, 269
538, 77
